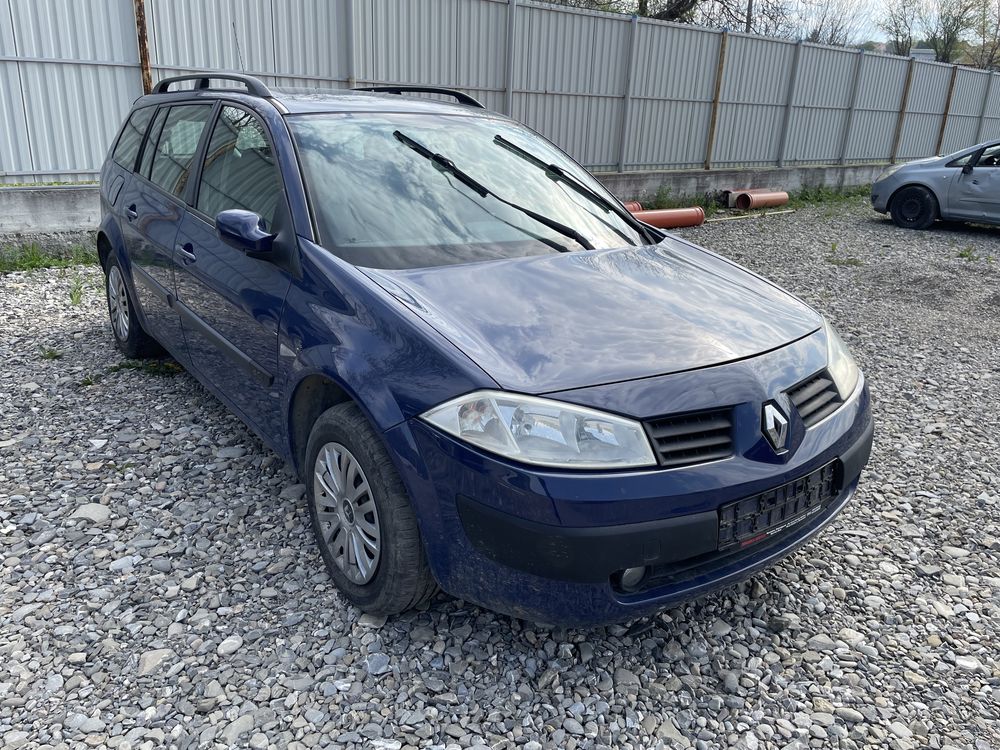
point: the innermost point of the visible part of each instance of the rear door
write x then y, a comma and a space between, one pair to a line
231, 304
153, 206
976, 195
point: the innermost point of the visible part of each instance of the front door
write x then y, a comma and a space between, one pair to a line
976, 195
230, 305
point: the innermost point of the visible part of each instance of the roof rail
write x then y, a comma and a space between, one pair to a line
255, 87
459, 96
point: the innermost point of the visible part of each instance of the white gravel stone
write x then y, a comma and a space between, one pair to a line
216, 531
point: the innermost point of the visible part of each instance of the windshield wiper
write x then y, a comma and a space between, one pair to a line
555, 172
447, 165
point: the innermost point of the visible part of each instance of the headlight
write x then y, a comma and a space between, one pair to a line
841, 365
543, 432
890, 172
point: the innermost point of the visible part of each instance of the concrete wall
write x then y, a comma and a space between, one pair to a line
42, 210
698, 182
69, 208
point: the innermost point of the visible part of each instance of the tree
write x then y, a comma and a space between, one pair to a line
945, 22
985, 49
898, 24
838, 22
768, 17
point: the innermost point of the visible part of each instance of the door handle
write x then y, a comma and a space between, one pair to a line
186, 251
132, 213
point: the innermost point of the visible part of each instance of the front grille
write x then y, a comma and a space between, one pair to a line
753, 519
816, 398
693, 438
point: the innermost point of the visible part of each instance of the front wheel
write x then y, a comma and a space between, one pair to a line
364, 524
914, 207
130, 337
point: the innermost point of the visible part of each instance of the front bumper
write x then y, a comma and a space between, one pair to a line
549, 546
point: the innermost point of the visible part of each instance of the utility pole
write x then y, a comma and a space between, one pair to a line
749, 15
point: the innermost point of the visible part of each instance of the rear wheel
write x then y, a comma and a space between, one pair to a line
364, 524
130, 337
914, 207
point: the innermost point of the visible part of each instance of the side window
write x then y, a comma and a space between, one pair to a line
177, 144
150, 147
990, 157
130, 139
239, 169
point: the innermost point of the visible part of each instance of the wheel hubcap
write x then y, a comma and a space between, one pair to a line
118, 303
348, 518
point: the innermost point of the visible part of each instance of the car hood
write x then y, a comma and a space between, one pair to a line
558, 322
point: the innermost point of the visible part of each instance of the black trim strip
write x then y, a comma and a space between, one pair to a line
191, 318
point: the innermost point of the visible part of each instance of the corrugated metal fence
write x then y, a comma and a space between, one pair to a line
618, 93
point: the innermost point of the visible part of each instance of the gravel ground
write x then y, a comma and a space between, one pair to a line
160, 587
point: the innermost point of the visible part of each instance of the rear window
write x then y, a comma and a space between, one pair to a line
379, 203
127, 148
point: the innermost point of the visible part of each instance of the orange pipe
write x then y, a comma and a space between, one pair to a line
633, 206
672, 218
746, 200
729, 196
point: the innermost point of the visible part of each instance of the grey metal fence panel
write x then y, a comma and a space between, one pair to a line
755, 88
925, 110
671, 96
880, 92
75, 77
962, 127
572, 93
824, 83
613, 91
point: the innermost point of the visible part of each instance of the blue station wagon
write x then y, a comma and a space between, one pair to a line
491, 377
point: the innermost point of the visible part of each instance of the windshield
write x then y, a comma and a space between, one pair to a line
380, 203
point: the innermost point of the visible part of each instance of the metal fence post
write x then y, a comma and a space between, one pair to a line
143, 41
789, 104
627, 98
508, 102
902, 111
947, 109
352, 63
982, 112
853, 106
714, 118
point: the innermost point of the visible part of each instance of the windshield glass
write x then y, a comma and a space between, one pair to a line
381, 204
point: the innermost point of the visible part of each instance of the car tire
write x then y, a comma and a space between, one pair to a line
130, 337
914, 207
353, 488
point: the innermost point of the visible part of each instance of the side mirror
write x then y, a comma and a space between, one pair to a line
243, 230
967, 169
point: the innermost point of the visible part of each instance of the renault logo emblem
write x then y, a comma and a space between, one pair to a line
774, 425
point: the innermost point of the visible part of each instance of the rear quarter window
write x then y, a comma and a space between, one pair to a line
127, 147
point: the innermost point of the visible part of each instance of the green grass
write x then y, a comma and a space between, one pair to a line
165, 368
31, 257
76, 291
817, 195
666, 199
48, 353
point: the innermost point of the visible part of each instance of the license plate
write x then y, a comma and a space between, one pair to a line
754, 519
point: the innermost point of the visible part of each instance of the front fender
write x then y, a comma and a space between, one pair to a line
339, 324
